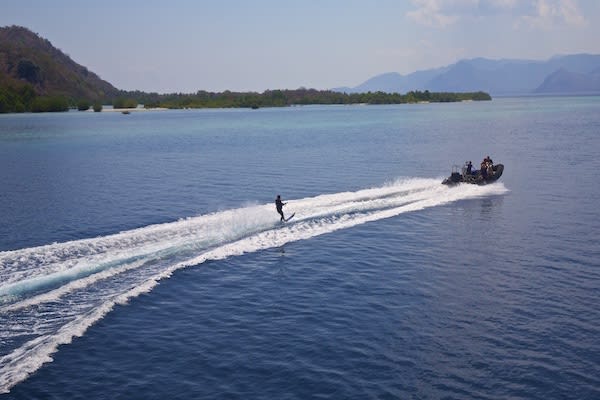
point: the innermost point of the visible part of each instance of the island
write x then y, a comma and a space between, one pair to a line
35, 76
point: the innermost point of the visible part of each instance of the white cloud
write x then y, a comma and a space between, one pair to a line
571, 13
552, 13
431, 13
503, 3
543, 14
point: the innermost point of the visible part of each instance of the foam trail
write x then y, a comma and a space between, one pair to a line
57, 291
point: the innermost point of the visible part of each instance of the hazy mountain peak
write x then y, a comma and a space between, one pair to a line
497, 77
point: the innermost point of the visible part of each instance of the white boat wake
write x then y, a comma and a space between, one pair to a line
50, 294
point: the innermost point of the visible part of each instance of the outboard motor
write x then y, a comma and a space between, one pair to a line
455, 177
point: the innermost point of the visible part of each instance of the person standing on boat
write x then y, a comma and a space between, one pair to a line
469, 168
490, 166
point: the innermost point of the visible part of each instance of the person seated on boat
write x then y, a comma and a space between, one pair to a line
483, 169
489, 160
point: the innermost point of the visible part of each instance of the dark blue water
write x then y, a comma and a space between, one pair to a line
143, 257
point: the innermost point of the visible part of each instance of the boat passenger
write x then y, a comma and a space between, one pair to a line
483, 169
469, 168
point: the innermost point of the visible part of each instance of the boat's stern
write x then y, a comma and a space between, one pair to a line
453, 179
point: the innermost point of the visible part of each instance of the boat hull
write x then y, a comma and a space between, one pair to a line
475, 178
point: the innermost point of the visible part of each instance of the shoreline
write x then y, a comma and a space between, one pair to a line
137, 109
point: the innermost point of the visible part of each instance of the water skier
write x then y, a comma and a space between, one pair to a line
279, 206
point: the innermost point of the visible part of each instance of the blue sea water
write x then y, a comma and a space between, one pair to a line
141, 255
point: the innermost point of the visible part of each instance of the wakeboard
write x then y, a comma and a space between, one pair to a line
290, 217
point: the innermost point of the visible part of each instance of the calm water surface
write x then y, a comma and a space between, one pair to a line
141, 255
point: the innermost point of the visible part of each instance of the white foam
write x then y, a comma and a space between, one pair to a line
95, 274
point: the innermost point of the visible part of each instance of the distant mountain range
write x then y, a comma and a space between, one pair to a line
570, 74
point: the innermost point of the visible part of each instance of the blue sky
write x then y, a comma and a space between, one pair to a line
185, 45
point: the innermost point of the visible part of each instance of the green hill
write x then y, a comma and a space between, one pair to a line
36, 76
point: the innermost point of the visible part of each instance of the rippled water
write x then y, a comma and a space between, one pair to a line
386, 284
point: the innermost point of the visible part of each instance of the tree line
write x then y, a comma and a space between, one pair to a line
23, 98
283, 98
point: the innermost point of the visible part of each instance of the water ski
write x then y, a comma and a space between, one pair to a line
290, 217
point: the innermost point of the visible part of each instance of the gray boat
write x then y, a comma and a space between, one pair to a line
459, 175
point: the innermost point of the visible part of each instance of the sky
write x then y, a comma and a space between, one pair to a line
254, 45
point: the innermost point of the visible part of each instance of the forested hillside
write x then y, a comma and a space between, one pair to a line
36, 76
